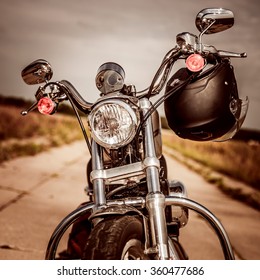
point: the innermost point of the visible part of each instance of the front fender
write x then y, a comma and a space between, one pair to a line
112, 210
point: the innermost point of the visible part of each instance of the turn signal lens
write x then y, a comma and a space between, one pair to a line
195, 62
46, 106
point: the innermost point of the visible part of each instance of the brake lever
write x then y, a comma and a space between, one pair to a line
221, 53
38, 95
231, 54
31, 108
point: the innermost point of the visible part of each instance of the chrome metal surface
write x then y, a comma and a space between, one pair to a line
37, 72
186, 41
118, 173
154, 199
151, 161
155, 203
145, 104
75, 97
134, 171
157, 133
210, 218
213, 20
98, 183
232, 54
62, 227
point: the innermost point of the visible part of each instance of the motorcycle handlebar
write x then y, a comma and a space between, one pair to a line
70, 93
75, 97
163, 71
156, 86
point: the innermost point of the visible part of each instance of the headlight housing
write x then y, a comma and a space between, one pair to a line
113, 123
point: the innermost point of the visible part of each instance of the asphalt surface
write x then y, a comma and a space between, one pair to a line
37, 192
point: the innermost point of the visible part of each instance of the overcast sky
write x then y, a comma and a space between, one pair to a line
77, 36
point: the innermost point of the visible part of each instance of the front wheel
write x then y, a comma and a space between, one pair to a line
117, 238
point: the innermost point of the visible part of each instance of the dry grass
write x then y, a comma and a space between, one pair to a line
238, 159
33, 133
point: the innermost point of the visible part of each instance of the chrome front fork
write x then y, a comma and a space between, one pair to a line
98, 183
155, 200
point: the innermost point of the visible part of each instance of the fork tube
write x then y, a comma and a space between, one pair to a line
155, 200
98, 184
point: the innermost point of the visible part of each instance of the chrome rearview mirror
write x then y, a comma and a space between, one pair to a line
37, 72
213, 20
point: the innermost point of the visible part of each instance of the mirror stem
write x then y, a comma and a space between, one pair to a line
202, 33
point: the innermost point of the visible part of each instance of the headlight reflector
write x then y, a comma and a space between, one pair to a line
113, 123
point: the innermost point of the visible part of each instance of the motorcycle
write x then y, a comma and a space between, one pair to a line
133, 211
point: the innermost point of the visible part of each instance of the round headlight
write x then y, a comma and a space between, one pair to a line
113, 123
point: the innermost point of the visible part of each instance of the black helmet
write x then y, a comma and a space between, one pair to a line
209, 107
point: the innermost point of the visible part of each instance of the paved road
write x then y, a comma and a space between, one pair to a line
241, 222
37, 192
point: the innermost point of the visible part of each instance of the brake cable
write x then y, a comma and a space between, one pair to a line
177, 86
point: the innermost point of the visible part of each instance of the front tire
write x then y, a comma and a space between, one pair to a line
116, 238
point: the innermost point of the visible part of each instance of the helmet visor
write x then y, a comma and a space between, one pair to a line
239, 111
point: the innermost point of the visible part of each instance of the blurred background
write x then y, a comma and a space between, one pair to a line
76, 37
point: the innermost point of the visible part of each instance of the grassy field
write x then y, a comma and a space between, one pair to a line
238, 159
33, 133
